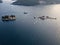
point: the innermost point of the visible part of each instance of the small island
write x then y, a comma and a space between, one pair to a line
26, 2
35, 2
0, 1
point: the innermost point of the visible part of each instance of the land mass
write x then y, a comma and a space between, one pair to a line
26, 2
0, 1
51, 1
35, 2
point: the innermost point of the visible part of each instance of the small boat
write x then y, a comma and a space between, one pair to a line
5, 18
25, 12
34, 17
50, 17
45, 17
12, 17
42, 18
8, 18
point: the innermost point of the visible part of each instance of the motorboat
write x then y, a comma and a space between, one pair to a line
45, 17
8, 18
5, 18
42, 18
50, 17
25, 13
12, 17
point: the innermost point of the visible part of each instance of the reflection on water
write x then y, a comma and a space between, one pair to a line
29, 31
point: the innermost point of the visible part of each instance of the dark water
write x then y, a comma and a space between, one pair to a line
29, 31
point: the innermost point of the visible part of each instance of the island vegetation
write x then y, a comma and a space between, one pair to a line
35, 2
26, 2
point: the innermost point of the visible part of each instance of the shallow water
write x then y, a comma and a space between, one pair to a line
29, 31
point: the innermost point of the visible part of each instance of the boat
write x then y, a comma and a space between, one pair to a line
5, 18
34, 17
8, 18
50, 17
42, 18
12, 17
25, 12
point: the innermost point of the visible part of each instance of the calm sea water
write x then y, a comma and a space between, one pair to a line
29, 31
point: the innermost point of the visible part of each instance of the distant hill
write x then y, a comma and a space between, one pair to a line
35, 2
26, 2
